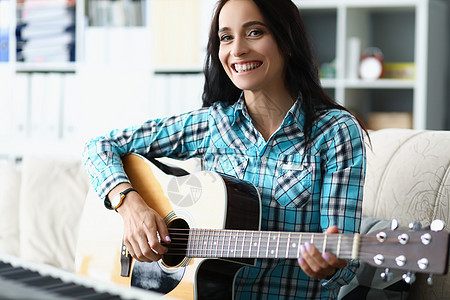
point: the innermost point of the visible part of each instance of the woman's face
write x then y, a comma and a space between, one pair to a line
248, 51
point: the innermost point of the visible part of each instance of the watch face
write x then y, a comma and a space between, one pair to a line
370, 68
116, 200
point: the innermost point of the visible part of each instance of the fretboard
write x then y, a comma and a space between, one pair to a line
267, 244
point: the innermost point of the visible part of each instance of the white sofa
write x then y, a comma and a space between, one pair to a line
408, 178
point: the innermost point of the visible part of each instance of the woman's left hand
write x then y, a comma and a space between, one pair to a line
320, 265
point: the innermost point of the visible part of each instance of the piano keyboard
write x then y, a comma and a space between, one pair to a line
20, 279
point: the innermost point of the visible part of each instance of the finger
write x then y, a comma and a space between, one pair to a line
154, 245
332, 229
314, 257
316, 265
306, 268
129, 248
162, 230
334, 261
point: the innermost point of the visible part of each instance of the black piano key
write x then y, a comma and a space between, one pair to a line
100, 296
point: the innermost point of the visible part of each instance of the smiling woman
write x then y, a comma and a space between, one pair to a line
267, 121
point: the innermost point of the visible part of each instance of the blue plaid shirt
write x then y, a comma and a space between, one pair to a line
299, 192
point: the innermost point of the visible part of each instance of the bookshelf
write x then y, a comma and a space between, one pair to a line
407, 31
147, 63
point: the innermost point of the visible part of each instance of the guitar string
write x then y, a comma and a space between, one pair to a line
196, 235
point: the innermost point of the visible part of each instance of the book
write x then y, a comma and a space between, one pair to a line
45, 31
4, 30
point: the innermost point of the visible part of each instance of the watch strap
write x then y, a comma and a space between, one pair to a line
122, 197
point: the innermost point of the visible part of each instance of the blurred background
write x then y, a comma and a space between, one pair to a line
74, 69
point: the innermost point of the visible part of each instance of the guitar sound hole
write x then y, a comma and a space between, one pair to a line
179, 232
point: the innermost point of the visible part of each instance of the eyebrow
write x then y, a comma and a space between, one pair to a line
248, 24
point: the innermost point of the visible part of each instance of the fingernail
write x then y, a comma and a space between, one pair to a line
326, 256
308, 246
302, 248
168, 239
301, 261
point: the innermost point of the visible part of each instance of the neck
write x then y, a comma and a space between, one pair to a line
268, 110
266, 244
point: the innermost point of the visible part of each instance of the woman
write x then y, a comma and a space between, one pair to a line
265, 120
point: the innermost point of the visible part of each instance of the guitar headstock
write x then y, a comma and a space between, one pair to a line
413, 251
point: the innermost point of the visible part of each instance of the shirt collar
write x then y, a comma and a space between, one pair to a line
295, 114
239, 107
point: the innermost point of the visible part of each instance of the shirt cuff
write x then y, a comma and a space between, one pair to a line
342, 276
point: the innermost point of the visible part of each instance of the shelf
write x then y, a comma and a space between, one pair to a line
66, 67
325, 4
176, 69
380, 84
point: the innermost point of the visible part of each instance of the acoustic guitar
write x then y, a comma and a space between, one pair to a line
214, 225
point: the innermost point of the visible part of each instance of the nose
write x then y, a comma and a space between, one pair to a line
239, 47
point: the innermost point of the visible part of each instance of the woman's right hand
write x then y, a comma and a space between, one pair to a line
142, 225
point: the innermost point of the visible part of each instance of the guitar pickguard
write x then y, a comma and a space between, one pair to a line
154, 277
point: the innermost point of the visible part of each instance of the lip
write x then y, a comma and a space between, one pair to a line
256, 65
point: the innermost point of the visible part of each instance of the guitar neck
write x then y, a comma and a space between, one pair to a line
267, 244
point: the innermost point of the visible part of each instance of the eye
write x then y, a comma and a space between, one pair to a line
225, 38
255, 32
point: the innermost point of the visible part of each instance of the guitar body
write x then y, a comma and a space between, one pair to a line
200, 200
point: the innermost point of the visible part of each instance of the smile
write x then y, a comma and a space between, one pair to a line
245, 67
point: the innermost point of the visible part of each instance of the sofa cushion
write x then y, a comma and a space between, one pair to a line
51, 201
408, 176
9, 208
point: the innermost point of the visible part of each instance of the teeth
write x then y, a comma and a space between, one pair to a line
246, 67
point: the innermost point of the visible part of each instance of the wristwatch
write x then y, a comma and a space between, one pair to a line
117, 200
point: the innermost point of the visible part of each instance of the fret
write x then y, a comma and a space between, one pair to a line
223, 243
189, 246
324, 243
236, 238
288, 245
204, 243
259, 244
196, 244
216, 242
312, 239
268, 245
338, 250
212, 243
229, 246
278, 246
243, 244
299, 244
250, 248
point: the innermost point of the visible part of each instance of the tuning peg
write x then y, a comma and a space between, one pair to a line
437, 225
415, 226
409, 278
394, 224
430, 279
386, 275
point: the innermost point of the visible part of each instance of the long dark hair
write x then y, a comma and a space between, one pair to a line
285, 23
